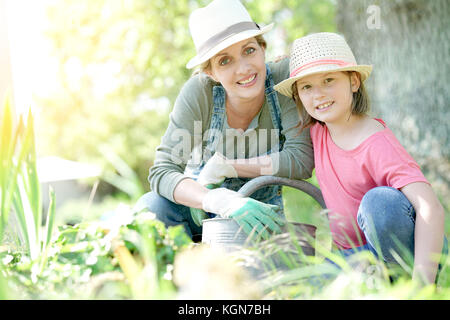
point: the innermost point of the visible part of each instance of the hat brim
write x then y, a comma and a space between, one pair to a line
199, 59
285, 86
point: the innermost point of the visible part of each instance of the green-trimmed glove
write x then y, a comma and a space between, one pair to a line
212, 176
250, 214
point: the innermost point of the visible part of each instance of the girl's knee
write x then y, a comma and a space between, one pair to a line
384, 200
387, 217
384, 194
384, 205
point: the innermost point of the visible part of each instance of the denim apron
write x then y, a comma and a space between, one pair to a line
268, 194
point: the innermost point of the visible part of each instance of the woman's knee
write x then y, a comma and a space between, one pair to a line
149, 201
160, 206
170, 213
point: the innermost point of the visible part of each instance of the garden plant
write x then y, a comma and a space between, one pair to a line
141, 48
131, 255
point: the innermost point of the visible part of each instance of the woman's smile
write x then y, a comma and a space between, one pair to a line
248, 81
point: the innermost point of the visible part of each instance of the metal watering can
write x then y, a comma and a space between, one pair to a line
227, 235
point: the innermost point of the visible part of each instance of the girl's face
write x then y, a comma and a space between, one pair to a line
240, 69
327, 97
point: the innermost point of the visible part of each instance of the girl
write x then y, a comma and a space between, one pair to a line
378, 198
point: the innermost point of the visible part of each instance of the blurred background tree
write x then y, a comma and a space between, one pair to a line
408, 42
121, 65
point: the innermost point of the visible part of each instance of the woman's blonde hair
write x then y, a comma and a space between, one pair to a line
360, 104
206, 66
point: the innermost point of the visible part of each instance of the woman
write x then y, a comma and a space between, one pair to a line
229, 108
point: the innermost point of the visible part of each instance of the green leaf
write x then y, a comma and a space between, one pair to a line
50, 217
179, 236
6, 129
198, 215
33, 187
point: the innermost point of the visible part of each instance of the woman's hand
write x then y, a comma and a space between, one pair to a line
212, 176
216, 170
250, 214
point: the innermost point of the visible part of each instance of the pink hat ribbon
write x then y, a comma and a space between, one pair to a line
320, 62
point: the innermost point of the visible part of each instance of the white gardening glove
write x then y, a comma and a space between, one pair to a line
216, 170
212, 176
219, 201
250, 214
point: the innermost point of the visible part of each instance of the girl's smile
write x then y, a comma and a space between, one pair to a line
324, 106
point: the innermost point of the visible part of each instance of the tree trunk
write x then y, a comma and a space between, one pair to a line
408, 43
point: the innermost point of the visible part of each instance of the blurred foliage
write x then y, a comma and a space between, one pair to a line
122, 64
93, 261
294, 18
20, 191
131, 255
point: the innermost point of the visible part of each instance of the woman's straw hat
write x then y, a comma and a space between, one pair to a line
318, 53
219, 25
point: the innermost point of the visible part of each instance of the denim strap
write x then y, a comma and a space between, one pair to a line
274, 104
217, 122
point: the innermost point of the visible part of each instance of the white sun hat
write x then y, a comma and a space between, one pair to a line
219, 25
318, 53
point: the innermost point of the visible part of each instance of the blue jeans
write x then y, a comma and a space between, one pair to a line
169, 212
387, 219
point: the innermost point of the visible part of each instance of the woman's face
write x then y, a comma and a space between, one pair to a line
240, 69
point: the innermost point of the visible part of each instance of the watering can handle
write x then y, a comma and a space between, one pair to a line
262, 181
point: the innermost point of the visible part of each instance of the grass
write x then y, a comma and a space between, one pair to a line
300, 207
359, 280
89, 263
137, 258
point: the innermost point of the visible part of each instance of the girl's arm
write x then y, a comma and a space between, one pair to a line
429, 230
